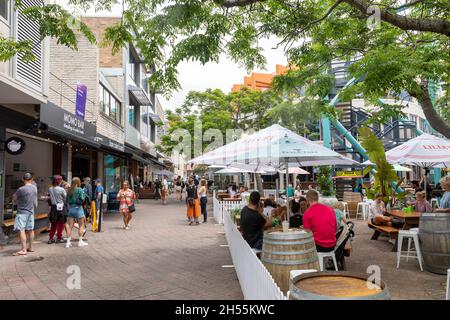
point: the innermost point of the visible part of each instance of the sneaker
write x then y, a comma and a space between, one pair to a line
60, 241
68, 244
82, 243
50, 241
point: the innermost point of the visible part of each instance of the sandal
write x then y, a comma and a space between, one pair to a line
19, 253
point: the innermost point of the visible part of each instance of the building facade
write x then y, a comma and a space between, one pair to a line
45, 130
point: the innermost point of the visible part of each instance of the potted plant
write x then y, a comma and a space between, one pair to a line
325, 186
235, 214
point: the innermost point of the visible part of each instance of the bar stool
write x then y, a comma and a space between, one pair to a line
346, 212
323, 255
411, 235
365, 207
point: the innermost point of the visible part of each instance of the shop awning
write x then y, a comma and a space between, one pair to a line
140, 96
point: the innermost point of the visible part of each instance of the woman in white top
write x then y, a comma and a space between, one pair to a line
203, 196
298, 192
164, 191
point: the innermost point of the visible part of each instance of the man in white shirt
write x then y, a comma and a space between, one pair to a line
377, 211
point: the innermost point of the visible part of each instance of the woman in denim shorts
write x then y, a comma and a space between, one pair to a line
76, 198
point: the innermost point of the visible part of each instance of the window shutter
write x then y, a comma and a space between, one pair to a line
29, 72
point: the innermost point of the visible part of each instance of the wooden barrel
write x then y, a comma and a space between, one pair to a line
286, 251
434, 234
333, 285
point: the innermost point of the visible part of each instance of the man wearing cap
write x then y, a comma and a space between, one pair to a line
26, 201
98, 193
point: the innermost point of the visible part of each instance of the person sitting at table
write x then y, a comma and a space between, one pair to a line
253, 222
233, 191
444, 205
321, 220
298, 192
244, 195
303, 205
290, 191
268, 207
421, 203
339, 212
416, 186
296, 220
377, 211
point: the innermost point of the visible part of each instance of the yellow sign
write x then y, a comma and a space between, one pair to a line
356, 173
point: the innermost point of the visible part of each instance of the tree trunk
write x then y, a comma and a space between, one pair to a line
436, 122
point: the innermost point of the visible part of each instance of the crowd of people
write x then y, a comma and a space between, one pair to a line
70, 205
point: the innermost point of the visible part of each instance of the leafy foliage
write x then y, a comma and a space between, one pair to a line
324, 181
386, 179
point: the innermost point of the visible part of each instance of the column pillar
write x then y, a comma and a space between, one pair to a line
69, 162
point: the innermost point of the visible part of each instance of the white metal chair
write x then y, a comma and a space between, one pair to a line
411, 235
346, 212
323, 255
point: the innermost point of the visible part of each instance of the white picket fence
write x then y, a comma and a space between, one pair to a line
221, 208
256, 282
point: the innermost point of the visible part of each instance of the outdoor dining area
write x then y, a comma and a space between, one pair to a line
289, 263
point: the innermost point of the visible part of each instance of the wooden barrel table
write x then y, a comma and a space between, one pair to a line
434, 234
286, 251
333, 285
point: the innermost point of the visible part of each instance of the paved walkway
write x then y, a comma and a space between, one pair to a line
407, 282
160, 257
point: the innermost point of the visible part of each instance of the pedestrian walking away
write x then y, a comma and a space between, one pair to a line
126, 196
164, 191
203, 195
26, 200
76, 199
193, 206
58, 210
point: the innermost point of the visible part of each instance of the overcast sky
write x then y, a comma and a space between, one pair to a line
194, 76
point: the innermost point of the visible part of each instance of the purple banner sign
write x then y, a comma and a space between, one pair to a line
80, 104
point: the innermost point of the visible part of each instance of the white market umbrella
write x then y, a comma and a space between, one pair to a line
217, 166
232, 171
274, 146
396, 166
295, 170
426, 151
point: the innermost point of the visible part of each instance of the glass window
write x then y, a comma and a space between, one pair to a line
109, 104
131, 116
100, 98
114, 172
4, 9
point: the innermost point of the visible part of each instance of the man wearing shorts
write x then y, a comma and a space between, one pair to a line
26, 200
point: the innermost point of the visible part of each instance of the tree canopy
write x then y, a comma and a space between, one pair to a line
396, 45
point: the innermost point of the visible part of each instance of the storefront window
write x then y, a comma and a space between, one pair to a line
4, 9
115, 172
109, 104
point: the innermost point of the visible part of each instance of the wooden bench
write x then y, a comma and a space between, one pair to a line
390, 231
8, 225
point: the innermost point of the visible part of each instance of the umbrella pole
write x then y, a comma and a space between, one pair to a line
287, 184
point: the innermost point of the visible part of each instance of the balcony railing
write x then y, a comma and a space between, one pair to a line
64, 95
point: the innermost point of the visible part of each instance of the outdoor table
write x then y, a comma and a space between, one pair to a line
411, 219
232, 199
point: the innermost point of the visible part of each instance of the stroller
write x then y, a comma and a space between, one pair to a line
344, 233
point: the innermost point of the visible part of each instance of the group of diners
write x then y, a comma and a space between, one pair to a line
306, 212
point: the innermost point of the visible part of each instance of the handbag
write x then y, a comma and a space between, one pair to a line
131, 208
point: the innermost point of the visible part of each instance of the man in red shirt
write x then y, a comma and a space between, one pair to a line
321, 220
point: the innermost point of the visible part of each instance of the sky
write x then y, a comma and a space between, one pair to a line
198, 77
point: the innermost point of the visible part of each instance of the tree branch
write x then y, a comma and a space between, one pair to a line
236, 3
440, 26
436, 122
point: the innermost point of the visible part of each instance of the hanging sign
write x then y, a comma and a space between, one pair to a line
80, 103
15, 145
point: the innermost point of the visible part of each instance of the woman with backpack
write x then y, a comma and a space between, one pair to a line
76, 199
126, 196
193, 205
58, 210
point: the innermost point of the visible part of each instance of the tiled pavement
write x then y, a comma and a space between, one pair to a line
160, 257
407, 282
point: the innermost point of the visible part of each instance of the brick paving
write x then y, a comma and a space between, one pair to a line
405, 283
160, 257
